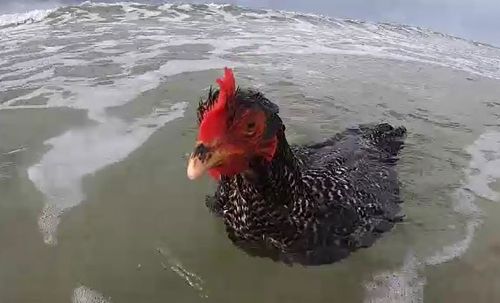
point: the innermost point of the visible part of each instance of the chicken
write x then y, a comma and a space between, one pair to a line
310, 204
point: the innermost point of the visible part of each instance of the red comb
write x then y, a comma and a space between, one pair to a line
227, 86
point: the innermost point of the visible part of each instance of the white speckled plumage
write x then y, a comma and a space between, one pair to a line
315, 204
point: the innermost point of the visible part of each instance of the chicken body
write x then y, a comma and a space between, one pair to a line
315, 204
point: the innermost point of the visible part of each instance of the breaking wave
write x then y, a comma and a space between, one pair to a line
318, 34
25, 18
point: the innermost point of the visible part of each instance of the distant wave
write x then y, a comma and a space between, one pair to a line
318, 34
40, 14
25, 18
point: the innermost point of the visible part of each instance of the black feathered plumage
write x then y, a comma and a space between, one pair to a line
312, 204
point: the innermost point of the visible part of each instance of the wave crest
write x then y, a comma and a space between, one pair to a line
33, 16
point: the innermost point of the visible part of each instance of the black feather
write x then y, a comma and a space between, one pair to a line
313, 204
207, 104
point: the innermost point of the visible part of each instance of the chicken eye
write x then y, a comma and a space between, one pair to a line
250, 129
251, 126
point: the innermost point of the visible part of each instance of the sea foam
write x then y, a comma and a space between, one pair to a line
83, 294
407, 284
25, 18
84, 151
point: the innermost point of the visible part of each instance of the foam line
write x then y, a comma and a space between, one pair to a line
406, 284
78, 153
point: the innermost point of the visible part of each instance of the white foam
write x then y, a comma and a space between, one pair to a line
457, 249
123, 90
484, 168
78, 153
52, 49
83, 294
406, 285
219, 9
24, 18
106, 44
136, 13
46, 62
402, 286
81, 152
120, 92
40, 76
185, 7
92, 17
15, 151
178, 17
325, 36
485, 165
105, 4
36, 106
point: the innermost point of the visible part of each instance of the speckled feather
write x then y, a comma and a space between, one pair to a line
315, 204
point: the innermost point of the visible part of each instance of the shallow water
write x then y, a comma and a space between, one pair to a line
97, 112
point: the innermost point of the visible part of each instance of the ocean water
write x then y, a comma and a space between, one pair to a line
97, 113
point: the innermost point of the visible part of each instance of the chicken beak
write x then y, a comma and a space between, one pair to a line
195, 168
201, 160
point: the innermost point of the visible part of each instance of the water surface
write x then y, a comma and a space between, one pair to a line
97, 113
